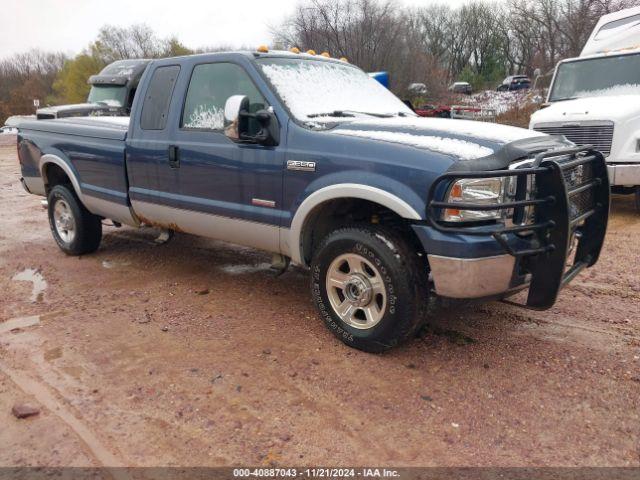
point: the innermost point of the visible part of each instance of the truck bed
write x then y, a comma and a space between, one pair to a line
90, 150
112, 128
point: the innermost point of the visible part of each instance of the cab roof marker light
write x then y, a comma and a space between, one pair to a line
294, 50
311, 52
325, 54
344, 59
263, 49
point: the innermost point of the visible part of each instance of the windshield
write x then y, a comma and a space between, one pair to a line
112, 95
318, 90
619, 75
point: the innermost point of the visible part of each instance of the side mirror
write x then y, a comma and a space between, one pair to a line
232, 118
237, 122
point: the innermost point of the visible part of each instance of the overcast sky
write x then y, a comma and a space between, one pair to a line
70, 25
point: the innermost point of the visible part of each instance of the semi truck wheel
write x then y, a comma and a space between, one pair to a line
76, 230
369, 287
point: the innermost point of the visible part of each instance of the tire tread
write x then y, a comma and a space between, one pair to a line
404, 253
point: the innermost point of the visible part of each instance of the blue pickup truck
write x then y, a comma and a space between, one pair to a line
309, 158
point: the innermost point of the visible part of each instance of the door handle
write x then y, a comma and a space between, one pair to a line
174, 157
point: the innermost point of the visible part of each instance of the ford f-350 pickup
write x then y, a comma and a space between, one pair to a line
309, 158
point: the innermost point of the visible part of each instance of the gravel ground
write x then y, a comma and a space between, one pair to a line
193, 353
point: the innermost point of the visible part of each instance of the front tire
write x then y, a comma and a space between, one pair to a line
369, 285
75, 229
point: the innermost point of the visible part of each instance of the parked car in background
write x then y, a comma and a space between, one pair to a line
515, 82
383, 207
112, 92
461, 87
594, 99
417, 89
440, 111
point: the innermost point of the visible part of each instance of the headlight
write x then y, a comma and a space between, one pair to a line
479, 191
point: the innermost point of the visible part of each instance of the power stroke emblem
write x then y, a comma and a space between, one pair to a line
301, 165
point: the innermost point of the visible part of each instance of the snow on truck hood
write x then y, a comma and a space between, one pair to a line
615, 108
463, 139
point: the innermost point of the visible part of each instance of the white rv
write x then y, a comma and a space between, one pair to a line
595, 99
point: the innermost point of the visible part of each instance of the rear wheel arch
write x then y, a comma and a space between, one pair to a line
55, 171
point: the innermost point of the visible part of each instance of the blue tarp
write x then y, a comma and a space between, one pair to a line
382, 77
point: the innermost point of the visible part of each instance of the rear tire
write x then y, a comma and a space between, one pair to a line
75, 229
369, 285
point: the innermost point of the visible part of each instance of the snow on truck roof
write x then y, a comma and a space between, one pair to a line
609, 53
259, 53
615, 33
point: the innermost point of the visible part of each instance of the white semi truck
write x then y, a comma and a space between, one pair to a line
595, 98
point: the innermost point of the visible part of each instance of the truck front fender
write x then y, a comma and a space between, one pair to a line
292, 242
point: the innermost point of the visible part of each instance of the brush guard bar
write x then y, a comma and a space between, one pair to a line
566, 211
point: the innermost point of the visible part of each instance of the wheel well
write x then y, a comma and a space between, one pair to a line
340, 212
54, 175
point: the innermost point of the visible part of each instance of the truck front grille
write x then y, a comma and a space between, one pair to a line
598, 134
574, 177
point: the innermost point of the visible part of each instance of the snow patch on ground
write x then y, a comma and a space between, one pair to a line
449, 146
244, 269
110, 264
35, 277
501, 102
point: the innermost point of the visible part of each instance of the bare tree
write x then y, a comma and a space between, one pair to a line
367, 32
25, 77
436, 43
137, 41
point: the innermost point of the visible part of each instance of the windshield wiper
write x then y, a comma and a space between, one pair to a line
336, 113
348, 113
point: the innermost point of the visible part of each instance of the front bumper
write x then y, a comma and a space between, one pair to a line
571, 202
627, 175
472, 277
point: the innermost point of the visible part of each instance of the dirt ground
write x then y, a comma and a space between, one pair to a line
192, 353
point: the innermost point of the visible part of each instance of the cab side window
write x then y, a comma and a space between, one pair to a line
210, 87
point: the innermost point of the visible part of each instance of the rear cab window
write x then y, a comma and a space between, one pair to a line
155, 109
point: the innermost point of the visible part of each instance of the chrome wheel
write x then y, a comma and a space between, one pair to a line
64, 221
356, 291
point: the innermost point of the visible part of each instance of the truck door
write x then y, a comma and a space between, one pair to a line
153, 180
232, 191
